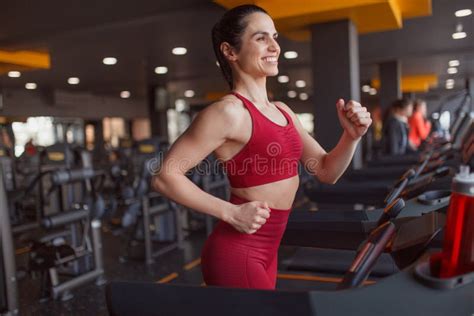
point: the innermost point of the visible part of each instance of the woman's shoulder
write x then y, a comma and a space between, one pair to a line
228, 108
228, 105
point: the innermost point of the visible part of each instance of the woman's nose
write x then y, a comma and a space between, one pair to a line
274, 45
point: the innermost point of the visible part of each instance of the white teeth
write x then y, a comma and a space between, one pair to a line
270, 59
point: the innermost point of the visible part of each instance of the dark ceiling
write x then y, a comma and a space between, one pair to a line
79, 34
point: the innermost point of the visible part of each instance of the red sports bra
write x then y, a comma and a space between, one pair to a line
271, 154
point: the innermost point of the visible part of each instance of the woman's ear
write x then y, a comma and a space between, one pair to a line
228, 51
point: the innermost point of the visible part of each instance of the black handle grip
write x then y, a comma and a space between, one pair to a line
366, 258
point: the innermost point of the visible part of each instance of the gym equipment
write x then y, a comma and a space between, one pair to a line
356, 189
117, 187
149, 216
415, 290
46, 200
8, 283
400, 294
55, 157
423, 230
92, 189
73, 244
63, 243
342, 230
336, 228
9, 181
210, 177
328, 225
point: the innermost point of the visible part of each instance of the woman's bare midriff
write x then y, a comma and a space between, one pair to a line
279, 194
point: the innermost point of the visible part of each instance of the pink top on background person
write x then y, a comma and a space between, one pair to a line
419, 128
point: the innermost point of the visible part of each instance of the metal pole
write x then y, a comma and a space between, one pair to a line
98, 255
63, 289
8, 251
179, 225
146, 230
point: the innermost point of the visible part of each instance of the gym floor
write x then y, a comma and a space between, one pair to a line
178, 266
90, 299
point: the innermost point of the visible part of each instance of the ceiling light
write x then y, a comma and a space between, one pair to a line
452, 70
449, 87
217, 64
283, 79
459, 34
109, 60
189, 93
161, 70
14, 74
292, 94
365, 88
303, 96
453, 63
290, 54
73, 80
464, 12
300, 83
449, 82
179, 51
125, 94
30, 86
373, 91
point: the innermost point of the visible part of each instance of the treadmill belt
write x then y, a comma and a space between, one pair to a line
334, 261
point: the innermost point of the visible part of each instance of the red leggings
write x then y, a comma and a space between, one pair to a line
233, 259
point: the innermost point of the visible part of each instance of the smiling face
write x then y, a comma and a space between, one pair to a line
259, 51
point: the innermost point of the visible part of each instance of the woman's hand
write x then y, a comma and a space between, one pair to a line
249, 217
354, 118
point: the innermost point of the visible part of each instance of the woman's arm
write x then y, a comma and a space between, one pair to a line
328, 167
210, 129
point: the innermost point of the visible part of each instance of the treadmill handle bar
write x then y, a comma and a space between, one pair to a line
367, 257
400, 186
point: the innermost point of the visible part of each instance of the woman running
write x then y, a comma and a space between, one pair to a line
260, 143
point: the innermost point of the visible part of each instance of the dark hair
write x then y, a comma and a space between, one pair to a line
417, 104
401, 104
230, 29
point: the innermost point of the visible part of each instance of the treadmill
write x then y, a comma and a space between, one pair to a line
333, 235
415, 290
400, 294
371, 193
462, 110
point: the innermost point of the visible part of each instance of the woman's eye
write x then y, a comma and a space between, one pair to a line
260, 38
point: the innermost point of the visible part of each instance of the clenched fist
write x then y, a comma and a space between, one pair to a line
249, 217
354, 118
